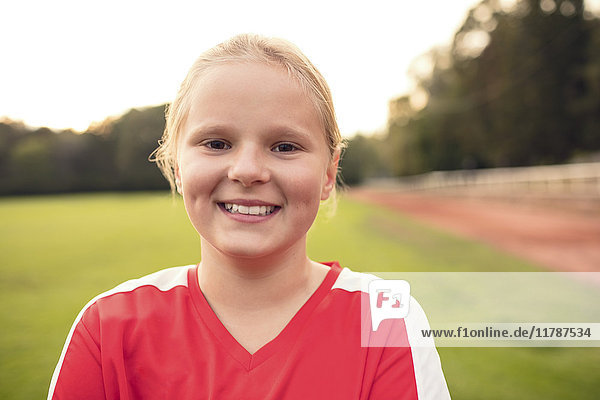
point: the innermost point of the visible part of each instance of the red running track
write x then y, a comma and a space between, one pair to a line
558, 239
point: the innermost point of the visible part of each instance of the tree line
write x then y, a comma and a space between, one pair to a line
518, 86
112, 155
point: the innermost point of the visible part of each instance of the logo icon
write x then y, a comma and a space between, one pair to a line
389, 299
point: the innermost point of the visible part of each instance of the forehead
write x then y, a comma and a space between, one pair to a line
248, 81
251, 92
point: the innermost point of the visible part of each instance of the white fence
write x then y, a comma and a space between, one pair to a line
579, 180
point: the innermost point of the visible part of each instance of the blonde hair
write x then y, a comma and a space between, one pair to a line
245, 48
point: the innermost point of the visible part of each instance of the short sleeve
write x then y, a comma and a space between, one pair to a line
431, 384
78, 374
409, 367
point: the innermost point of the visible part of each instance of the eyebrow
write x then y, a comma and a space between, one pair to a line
209, 129
291, 132
205, 130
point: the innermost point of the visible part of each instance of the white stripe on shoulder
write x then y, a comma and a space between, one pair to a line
429, 378
163, 280
351, 281
431, 384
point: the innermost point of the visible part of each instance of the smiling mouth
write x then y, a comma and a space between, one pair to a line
248, 210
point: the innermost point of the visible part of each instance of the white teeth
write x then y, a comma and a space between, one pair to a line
231, 207
249, 210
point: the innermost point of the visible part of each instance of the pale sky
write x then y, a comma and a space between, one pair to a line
69, 63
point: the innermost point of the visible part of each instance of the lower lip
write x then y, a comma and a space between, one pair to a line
253, 219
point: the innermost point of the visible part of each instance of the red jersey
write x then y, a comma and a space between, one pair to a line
157, 338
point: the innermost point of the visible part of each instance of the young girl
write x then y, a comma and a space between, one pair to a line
252, 145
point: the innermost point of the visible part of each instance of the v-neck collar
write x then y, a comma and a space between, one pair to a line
287, 335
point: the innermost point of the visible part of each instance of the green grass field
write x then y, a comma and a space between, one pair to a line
57, 252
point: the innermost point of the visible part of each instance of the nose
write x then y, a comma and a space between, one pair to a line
248, 166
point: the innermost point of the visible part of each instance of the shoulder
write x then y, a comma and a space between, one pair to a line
140, 293
352, 281
162, 280
357, 283
400, 342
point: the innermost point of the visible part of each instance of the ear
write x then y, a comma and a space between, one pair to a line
331, 175
178, 184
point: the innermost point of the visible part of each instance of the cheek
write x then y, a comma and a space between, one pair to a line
303, 185
198, 176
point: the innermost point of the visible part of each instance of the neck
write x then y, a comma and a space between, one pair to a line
251, 283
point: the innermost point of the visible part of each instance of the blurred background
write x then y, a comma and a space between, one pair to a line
473, 144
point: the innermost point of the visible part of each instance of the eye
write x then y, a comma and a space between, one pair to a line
217, 145
284, 147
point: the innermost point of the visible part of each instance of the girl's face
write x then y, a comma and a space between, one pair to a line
253, 162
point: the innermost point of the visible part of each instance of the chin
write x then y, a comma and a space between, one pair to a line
249, 252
